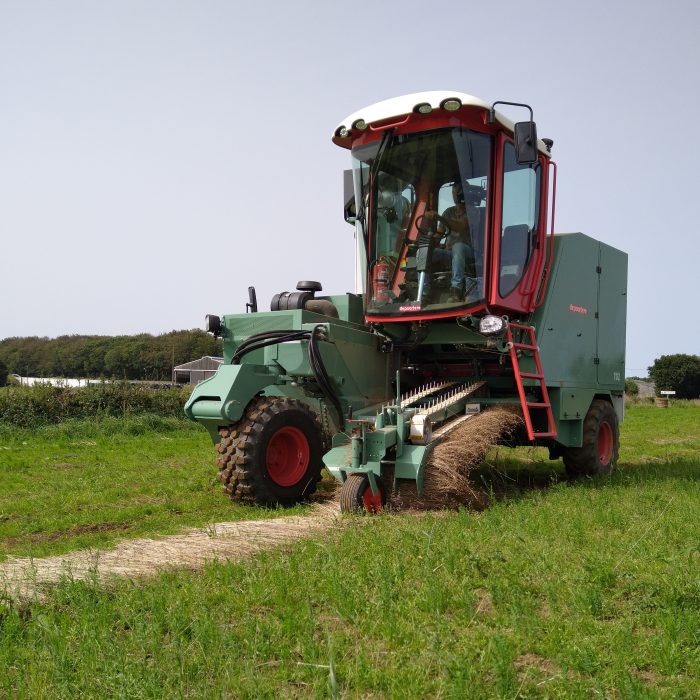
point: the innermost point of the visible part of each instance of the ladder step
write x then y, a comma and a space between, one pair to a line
530, 406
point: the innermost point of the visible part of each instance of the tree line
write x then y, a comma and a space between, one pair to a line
679, 373
144, 356
152, 357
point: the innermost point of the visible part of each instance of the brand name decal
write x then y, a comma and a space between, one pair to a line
575, 309
410, 307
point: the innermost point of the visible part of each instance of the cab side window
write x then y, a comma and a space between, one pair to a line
519, 218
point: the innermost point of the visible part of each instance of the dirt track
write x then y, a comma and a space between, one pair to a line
23, 577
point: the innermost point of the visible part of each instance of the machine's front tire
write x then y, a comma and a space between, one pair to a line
356, 495
273, 455
601, 443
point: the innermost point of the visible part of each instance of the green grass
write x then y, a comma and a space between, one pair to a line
89, 483
560, 590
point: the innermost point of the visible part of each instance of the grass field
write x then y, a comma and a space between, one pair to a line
560, 590
87, 484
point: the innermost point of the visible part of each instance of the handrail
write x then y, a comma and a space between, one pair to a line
381, 127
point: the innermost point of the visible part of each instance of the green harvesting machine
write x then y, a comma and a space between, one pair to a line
467, 299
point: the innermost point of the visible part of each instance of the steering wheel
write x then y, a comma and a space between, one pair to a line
425, 224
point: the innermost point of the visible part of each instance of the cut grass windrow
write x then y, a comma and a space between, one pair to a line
25, 577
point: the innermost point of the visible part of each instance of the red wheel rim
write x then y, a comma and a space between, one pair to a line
605, 443
372, 503
287, 456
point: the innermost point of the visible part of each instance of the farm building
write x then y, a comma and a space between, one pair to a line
196, 371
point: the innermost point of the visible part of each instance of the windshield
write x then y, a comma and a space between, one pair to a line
424, 212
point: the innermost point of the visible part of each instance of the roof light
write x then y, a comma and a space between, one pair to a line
342, 131
360, 124
423, 108
451, 105
490, 325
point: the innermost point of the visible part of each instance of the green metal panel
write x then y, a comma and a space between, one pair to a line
570, 433
378, 442
566, 323
221, 399
572, 403
581, 325
350, 307
581, 330
612, 317
349, 352
359, 372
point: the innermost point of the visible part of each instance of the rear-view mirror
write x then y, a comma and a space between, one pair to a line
349, 208
525, 137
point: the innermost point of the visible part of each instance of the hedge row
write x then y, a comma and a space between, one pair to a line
42, 404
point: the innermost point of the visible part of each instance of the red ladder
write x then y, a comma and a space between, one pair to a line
538, 375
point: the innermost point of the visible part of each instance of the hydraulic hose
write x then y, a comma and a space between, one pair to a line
262, 340
321, 376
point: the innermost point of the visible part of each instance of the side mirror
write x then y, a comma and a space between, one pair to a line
525, 137
349, 208
212, 324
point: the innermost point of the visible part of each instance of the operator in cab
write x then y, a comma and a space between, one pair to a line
458, 251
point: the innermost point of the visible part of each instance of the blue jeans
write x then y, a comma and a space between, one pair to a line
457, 257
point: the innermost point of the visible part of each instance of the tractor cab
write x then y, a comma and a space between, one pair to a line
449, 201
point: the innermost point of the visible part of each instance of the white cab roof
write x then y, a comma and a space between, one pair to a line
400, 106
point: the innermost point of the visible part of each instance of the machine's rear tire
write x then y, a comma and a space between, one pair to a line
601, 443
273, 455
356, 495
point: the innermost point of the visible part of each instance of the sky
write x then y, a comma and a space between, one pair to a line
157, 158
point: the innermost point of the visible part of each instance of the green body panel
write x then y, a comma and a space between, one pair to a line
409, 464
358, 371
448, 332
580, 331
221, 399
612, 311
566, 324
570, 403
350, 307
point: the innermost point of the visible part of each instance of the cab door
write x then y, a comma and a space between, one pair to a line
518, 235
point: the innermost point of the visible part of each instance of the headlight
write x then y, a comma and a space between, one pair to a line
451, 105
490, 325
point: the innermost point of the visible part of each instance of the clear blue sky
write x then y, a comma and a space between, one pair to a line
156, 158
